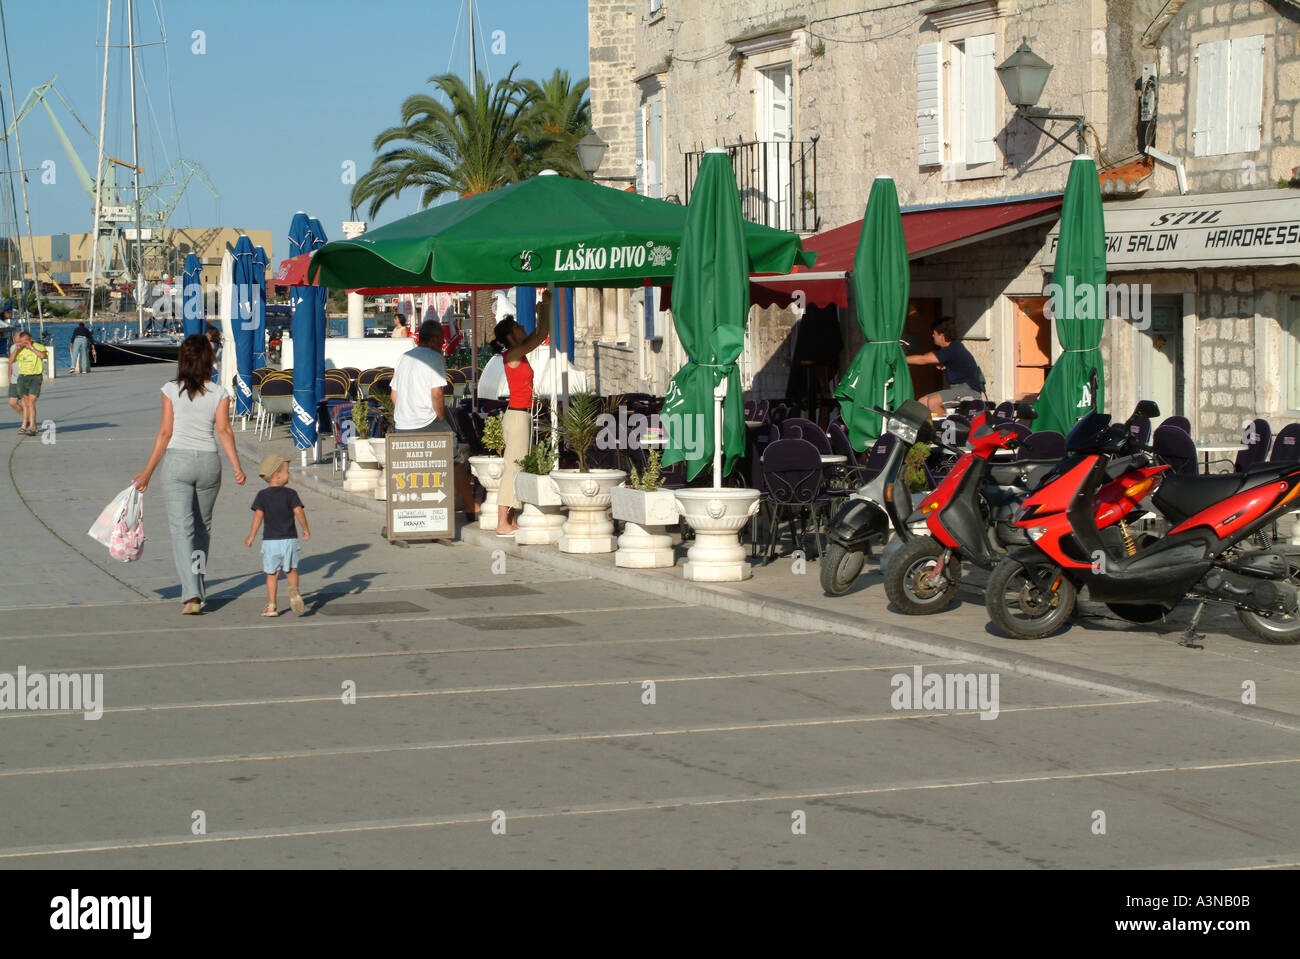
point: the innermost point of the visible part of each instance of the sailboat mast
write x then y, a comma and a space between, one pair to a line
473, 68
135, 175
99, 162
22, 179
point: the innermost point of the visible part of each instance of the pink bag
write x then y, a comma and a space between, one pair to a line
127, 539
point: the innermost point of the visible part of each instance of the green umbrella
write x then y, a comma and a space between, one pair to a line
1078, 285
881, 281
548, 229
710, 306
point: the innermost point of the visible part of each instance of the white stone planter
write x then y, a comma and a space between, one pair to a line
718, 516
380, 448
361, 451
364, 473
645, 543
541, 517
488, 470
589, 528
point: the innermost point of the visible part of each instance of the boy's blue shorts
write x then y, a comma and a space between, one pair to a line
279, 554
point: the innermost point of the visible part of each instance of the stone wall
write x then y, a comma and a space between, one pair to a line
611, 38
1225, 340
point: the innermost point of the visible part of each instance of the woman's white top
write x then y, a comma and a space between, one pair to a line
194, 421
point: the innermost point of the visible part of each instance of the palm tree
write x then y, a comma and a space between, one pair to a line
476, 142
562, 111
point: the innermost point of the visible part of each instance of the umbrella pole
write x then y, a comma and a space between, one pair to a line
551, 366
473, 361
719, 394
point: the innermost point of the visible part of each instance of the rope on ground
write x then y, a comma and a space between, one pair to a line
38, 519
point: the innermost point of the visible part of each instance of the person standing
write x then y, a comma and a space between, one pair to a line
515, 344
399, 327
195, 420
420, 406
83, 348
29, 357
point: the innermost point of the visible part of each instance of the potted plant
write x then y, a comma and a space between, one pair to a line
585, 491
540, 518
488, 469
364, 470
646, 510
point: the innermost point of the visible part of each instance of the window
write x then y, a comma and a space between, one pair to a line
774, 122
650, 148
1229, 96
656, 6
957, 117
1291, 330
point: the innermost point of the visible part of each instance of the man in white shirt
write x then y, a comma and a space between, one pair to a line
419, 405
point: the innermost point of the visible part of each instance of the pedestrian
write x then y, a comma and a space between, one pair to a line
420, 406
276, 507
14, 403
83, 348
399, 327
515, 344
29, 358
195, 420
214, 337
965, 380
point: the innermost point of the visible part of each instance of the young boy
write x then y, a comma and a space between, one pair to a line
278, 506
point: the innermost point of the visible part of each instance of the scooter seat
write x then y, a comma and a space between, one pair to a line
1181, 496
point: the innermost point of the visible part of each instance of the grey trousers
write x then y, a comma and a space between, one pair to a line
190, 481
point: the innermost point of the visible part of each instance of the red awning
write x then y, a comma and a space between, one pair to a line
293, 271
927, 232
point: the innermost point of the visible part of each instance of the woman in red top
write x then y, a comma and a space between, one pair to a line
515, 345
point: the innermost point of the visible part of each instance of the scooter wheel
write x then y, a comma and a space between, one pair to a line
907, 578
1023, 609
840, 567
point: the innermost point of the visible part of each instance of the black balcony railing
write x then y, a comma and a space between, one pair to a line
777, 181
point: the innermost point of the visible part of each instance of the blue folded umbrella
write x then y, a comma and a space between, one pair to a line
302, 329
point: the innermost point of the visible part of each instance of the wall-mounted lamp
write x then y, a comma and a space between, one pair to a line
1023, 76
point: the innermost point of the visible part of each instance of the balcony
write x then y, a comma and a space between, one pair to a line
777, 181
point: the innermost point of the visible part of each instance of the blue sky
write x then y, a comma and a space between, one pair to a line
285, 93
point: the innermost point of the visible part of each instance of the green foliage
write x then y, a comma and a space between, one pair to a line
651, 478
579, 423
494, 436
542, 457
914, 467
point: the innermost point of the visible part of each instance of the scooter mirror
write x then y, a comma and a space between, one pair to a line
1147, 408
1025, 412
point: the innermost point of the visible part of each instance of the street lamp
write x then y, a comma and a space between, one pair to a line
591, 151
1023, 76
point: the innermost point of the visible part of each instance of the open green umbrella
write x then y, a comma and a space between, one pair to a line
881, 282
548, 229
710, 306
1078, 302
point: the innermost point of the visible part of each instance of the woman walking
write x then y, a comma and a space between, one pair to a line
515, 344
195, 418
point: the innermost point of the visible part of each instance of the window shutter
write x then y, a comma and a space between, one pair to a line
929, 104
655, 149
1247, 92
980, 103
640, 151
1211, 132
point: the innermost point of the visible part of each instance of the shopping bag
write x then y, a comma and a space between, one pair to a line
102, 530
127, 541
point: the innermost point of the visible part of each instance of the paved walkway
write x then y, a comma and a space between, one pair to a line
517, 699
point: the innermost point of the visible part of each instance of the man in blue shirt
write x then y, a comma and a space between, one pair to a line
965, 380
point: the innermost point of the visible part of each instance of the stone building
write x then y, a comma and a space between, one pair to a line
814, 99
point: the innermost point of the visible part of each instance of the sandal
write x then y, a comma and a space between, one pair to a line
295, 601
270, 611
191, 607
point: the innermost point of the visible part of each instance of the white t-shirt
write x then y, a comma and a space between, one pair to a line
418, 372
194, 421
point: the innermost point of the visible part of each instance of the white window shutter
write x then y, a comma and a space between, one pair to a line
929, 104
981, 81
655, 149
1247, 94
640, 151
1211, 130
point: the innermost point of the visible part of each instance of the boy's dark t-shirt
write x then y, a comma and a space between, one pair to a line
959, 366
277, 504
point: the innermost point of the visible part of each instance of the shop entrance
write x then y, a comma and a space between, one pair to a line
1033, 345
921, 314
1160, 357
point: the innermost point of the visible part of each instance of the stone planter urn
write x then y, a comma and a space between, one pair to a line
364, 472
541, 517
487, 470
589, 528
718, 516
645, 543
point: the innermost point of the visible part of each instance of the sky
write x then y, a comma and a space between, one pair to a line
271, 98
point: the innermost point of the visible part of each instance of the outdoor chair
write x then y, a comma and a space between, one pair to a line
1180, 422
760, 439
340, 418
1042, 445
1255, 452
749, 409
790, 431
792, 477
876, 456
778, 413
277, 398
1140, 429
811, 432
1286, 448
761, 411
1005, 411
1173, 445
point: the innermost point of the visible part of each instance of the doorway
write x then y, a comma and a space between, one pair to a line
1033, 332
775, 129
921, 314
1160, 357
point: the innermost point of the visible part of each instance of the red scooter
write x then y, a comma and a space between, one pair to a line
1033, 591
969, 518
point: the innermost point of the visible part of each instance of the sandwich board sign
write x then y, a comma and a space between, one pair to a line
421, 494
